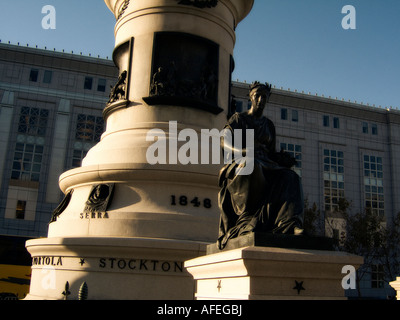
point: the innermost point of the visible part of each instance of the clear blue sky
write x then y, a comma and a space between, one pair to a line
296, 44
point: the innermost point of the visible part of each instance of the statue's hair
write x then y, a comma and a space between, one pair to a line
256, 85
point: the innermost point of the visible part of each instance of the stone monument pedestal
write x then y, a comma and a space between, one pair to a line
270, 273
113, 268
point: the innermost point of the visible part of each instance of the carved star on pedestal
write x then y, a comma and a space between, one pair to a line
298, 286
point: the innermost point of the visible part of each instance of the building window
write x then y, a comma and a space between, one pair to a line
295, 151
33, 121
27, 162
20, 210
365, 127
374, 129
239, 106
377, 276
78, 155
373, 185
284, 114
48, 75
33, 76
88, 132
101, 86
89, 128
88, 83
333, 179
336, 123
325, 121
295, 116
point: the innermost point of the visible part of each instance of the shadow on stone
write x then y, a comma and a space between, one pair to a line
259, 239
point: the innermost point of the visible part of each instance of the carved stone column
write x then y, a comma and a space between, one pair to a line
175, 61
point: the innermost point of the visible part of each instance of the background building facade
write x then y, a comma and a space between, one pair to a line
51, 107
51, 115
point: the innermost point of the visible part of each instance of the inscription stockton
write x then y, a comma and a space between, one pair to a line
117, 264
141, 264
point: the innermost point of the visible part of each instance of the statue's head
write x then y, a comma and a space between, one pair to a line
259, 95
261, 88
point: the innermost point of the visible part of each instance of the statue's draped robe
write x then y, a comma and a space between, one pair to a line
270, 199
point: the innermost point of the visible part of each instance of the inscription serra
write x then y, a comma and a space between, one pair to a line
93, 215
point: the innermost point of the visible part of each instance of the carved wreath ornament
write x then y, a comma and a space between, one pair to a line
196, 3
199, 3
122, 9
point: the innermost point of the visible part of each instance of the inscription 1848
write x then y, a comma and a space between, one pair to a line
195, 202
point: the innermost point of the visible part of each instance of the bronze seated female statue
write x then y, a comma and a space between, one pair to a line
270, 199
